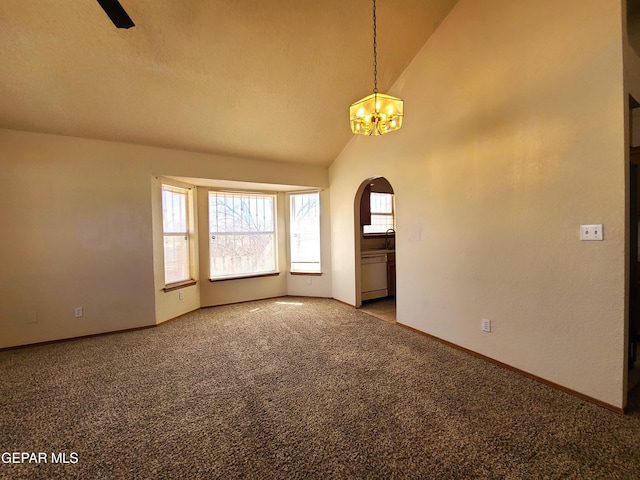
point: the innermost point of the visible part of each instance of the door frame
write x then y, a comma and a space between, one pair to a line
357, 228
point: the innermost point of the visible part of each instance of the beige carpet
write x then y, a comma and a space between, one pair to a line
295, 388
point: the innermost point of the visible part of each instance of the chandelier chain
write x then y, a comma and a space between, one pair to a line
376, 114
375, 52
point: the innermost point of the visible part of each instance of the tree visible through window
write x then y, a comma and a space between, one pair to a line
175, 229
305, 232
242, 234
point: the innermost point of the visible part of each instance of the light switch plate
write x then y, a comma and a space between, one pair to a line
591, 232
486, 325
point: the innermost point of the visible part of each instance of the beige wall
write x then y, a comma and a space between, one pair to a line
514, 135
78, 230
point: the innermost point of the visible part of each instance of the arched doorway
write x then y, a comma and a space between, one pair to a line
375, 247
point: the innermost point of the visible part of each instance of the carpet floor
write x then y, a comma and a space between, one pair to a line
294, 388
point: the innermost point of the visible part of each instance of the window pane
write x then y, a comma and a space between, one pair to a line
241, 234
176, 259
175, 226
379, 224
381, 202
232, 255
381, 213
305, 232
174, 211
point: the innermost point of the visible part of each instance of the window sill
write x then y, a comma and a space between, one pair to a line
308, 274
175, 286
225, 279
378, 235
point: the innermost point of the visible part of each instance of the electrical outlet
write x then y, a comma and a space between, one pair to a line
78, 312
181, 295
486, 325
591, 232
309, 280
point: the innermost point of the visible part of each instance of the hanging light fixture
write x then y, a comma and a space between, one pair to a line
377, 113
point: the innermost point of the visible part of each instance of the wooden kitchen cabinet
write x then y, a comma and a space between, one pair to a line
365, 206
391, 273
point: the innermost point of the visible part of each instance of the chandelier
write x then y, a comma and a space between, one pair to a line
377, 113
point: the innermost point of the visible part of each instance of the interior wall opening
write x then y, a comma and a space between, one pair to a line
375, 241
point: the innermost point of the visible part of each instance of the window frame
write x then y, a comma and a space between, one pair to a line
294, 270
187, 233
373, 213
274, 232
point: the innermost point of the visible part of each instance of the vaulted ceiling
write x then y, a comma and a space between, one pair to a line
265, 80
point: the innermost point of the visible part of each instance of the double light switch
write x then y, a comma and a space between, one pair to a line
591, 232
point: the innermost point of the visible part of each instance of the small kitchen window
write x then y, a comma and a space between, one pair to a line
382, 213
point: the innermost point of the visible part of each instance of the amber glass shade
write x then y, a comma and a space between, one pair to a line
376, 114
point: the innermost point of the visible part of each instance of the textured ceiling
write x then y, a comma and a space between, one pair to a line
266, 80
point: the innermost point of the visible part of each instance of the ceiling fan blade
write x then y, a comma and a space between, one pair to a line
116, 13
